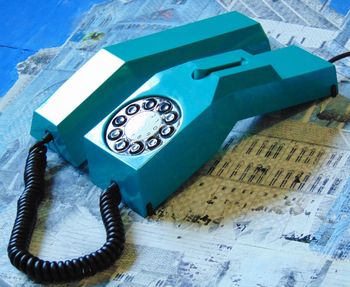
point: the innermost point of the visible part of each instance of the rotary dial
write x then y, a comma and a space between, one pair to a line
143, 126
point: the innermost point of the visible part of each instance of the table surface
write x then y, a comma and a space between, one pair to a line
244, 219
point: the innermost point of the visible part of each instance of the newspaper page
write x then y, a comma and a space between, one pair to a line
271, 209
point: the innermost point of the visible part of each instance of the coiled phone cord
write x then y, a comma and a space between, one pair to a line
27, 206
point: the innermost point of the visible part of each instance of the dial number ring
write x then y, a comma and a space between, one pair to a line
145, 125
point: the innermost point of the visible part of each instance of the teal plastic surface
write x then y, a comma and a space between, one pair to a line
213, 94
116, 71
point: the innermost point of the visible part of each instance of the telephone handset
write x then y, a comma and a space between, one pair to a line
176, 121
150, 142
118, 70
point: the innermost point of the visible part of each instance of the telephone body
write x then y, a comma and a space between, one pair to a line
118, 70
175, 122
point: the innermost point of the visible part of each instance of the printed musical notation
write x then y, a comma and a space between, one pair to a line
281, 163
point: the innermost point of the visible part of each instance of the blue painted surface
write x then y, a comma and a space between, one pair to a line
27, 26
341, 6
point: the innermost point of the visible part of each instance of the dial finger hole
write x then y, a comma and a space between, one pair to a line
171, 117
167, 131
119, 121
136, 148
115, 134
149, 104
153, 142
164, 107
121, 145
132, 109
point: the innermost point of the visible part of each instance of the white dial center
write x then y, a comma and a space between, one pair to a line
143, 125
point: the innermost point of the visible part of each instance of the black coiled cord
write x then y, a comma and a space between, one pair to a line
27, 206
339, 57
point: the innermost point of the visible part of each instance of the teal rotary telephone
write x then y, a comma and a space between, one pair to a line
174, 123
152, 111
117, 71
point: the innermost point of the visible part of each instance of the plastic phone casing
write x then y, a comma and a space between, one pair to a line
118, 70
213, 94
